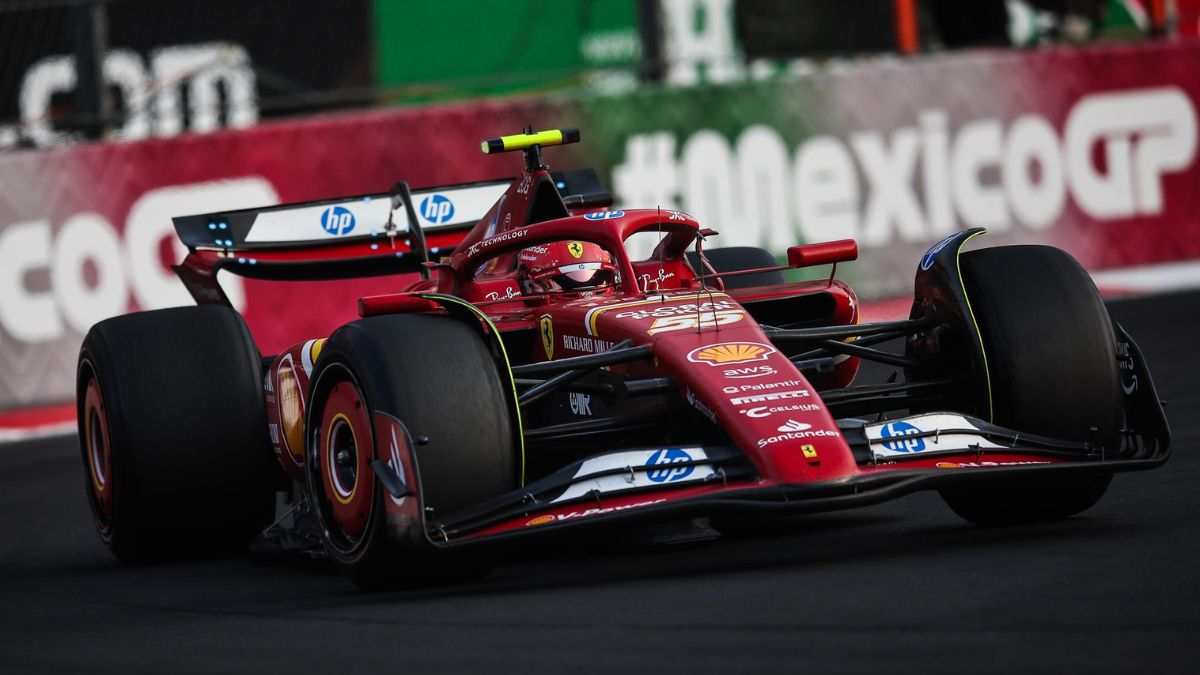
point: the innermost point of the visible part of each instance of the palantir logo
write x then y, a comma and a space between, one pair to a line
666, 459
337, 220
903, 431
437, 209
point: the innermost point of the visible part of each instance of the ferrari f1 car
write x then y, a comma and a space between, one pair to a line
534, 377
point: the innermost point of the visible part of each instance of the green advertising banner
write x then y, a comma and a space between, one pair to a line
454, 48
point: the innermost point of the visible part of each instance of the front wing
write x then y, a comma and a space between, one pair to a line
894, 458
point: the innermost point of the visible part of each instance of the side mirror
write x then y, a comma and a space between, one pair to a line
825, 253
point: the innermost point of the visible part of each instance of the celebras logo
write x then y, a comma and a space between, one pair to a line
760, 411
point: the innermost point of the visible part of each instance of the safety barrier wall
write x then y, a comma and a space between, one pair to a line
1092, 150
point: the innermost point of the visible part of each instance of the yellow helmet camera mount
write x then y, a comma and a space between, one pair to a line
530, 143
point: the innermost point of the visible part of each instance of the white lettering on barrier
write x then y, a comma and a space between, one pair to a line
984, 173
889, 175
122, 268
217, 75
708, 42
84, 238
26, 316
825, 190
978, 146
1162, 122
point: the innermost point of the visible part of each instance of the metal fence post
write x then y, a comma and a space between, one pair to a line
89, 40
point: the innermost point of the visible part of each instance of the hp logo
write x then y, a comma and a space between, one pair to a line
337, 220
902, 431
665, 461
603, 215
437, 209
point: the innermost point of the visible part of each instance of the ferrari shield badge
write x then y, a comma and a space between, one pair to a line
547, 330
575, 249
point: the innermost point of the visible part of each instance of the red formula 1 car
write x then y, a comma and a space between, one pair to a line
536, 378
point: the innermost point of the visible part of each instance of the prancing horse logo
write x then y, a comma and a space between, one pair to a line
547, 326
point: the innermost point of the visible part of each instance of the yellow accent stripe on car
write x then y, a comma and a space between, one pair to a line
316, 349
438, 297
987, 378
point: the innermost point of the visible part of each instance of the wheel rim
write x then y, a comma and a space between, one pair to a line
344, 446
98, 452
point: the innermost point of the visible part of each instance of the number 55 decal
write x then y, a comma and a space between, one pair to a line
698, 320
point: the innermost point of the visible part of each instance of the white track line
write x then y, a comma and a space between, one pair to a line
1159, 278
15, 434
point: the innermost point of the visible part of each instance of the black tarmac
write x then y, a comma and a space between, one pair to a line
896, 588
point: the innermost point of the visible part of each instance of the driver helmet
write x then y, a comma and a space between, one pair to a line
565, 267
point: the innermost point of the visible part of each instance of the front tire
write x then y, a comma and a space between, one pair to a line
1051, 360
437, 376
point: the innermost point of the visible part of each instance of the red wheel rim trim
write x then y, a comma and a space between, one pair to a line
349, 488
99, 452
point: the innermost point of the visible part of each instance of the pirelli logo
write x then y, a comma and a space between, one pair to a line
772, 396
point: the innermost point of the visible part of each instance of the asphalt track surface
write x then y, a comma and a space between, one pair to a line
900, 587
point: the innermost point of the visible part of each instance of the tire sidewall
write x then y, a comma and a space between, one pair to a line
334, 367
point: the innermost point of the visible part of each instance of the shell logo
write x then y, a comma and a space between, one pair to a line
540, 520
727, 353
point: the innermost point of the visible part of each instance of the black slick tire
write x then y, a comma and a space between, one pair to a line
438, 377
173, 432
1051, 360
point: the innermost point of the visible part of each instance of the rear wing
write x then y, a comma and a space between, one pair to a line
338, 221
360, 218
364, 235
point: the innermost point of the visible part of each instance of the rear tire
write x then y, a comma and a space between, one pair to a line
735, 258
437, 376
173, 431
1051, 358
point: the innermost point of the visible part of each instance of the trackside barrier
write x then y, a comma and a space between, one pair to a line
1093, 150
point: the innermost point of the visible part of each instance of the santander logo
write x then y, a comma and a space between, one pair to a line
793, 425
